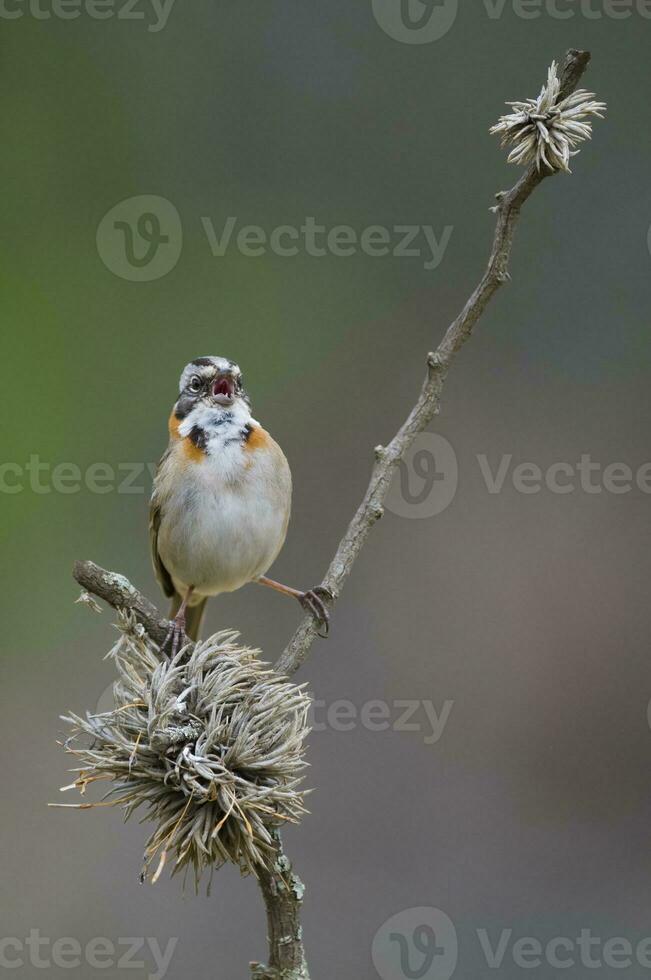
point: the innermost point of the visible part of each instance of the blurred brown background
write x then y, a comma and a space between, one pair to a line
529, 611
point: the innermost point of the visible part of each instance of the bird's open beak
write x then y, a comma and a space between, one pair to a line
223, 389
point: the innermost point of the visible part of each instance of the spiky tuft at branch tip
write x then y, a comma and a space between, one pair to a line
546, 131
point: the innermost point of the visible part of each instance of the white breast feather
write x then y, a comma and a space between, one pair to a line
223, 518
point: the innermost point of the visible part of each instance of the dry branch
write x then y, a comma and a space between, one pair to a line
371, 508
118, 592
281, 891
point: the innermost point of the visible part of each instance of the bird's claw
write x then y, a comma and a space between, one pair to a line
175, 638
313, 602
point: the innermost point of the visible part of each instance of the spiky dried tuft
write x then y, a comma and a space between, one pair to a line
210, 744
546, 130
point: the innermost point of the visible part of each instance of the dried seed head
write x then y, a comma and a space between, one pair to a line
211, 744
546, 130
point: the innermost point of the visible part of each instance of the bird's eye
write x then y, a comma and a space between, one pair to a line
195, 383
240, 383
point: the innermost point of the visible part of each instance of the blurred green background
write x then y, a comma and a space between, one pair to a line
530, 612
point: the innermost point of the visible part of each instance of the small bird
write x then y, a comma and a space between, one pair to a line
221, 500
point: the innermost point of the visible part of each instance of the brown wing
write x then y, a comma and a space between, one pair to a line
163, 576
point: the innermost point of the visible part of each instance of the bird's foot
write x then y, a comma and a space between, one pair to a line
314, 602
175, 638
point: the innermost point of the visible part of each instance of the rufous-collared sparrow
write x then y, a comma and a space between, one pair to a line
221, 500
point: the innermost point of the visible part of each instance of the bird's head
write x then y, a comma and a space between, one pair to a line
213, 382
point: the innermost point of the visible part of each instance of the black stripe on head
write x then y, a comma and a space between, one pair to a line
210, 362
198, 437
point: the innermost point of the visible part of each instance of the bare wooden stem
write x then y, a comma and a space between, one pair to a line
118, 592
427, 406
282, 892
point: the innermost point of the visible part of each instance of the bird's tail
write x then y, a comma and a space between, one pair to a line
193, 616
